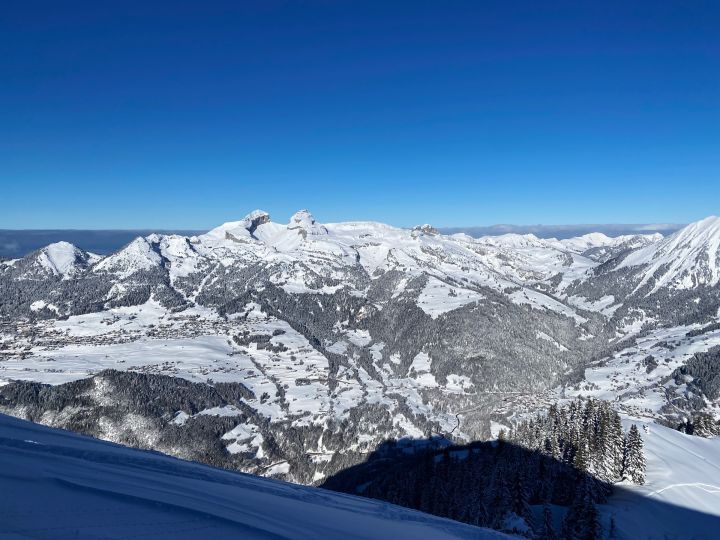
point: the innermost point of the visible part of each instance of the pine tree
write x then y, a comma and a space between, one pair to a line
545, 481
591, 528
580, 460
612, 533
520, 504
480, 516
634, 462
427, 478
547, 532
499, 500
704, 425
582, 521
616, 443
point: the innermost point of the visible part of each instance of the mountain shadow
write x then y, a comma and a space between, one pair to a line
505, 486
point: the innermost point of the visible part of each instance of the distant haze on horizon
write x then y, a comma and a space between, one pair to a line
21, 242
566, 231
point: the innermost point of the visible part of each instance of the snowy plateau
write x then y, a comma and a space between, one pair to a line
295, 350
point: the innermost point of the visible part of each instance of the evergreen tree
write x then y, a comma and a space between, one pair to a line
547, 531
520, 504
546, 480
704, 425
612, 533
580, 460
591, 528
616, 444
634, 462
500, 500
582, 521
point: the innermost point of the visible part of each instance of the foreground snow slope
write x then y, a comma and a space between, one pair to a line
681, 496
68, 486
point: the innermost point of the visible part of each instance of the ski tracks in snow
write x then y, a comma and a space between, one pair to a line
709, 488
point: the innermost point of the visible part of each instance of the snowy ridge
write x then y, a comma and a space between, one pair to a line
687, 259
305, 249
601, 248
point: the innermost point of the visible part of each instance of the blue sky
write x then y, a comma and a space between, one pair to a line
188, 114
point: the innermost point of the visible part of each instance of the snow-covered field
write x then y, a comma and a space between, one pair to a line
57, 485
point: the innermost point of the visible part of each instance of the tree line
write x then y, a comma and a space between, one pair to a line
543, 479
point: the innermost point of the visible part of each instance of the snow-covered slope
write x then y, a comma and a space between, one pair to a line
687, 259
62, 258
681, 495
669, 282
59, 485
331, 250
136, 256
323, 322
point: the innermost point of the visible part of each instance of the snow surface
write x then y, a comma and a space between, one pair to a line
68, 486
438, 297
681, 495
64, 259
60, 257
454, 270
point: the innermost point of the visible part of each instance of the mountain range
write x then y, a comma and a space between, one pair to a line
294, 350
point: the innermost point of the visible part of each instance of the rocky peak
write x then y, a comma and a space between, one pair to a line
254, 219
305, 223
301, 218
426, 229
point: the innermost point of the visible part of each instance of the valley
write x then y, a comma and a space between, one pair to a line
295, 350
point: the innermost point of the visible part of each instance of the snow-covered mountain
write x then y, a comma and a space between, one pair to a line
60, 260
688, 259
600, 247
139, 255
669, 281
299, 347
61, 485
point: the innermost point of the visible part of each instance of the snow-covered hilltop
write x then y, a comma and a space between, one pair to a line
331, 338
61, 260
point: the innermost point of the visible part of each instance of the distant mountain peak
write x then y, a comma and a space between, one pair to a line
137, 255
686, 259
426, 228
63, 258
245, 227
302, 217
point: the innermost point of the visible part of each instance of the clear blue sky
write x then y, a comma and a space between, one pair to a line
188, 114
